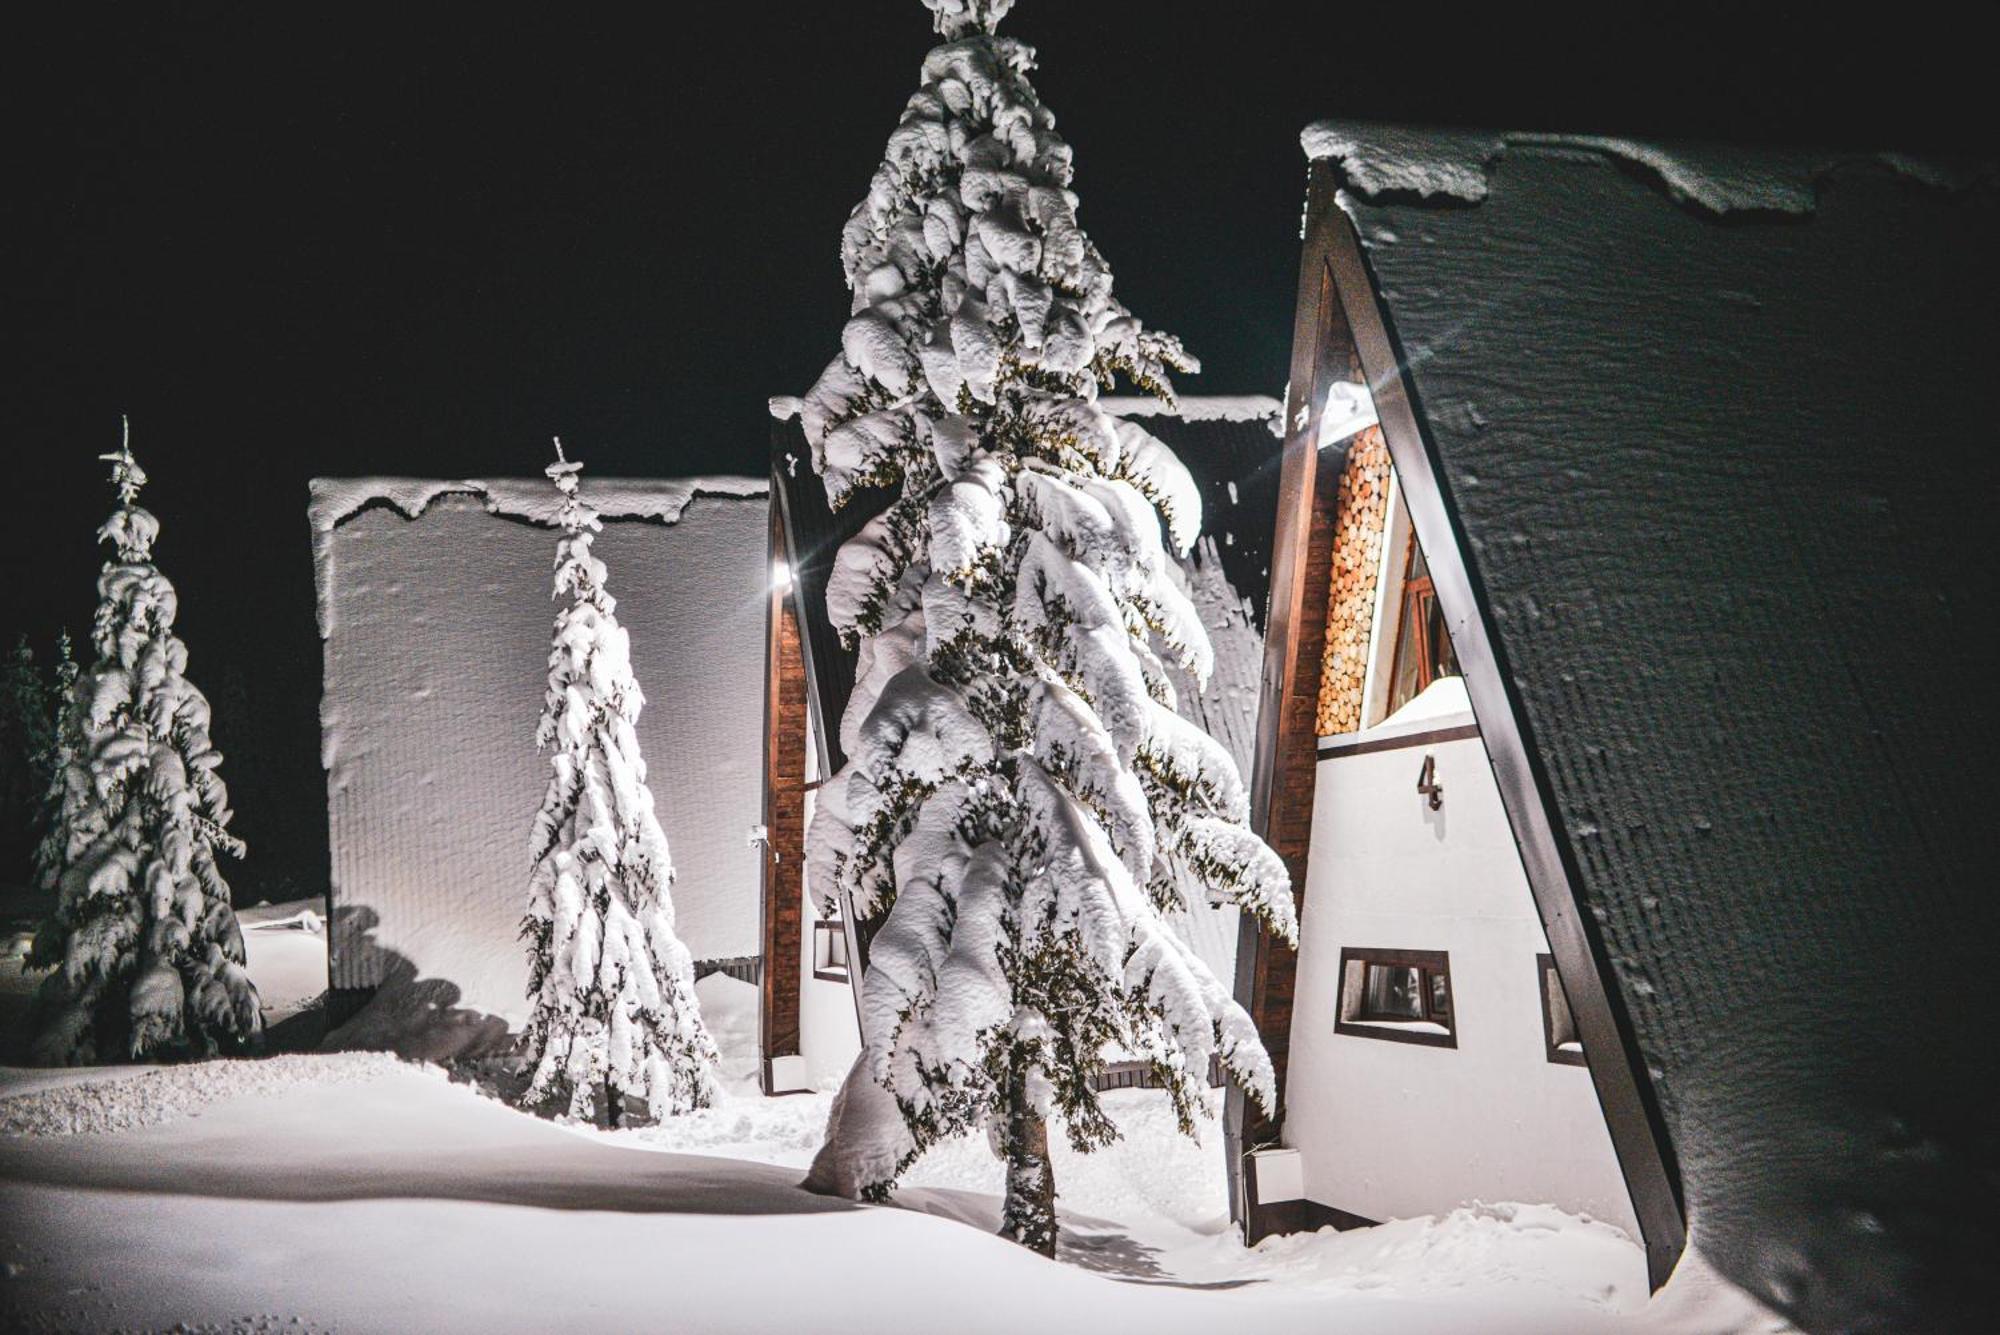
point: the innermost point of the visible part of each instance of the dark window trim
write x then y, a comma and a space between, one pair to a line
1545, 972
1431, 962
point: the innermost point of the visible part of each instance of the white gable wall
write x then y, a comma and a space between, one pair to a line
437, 631
1391, 1130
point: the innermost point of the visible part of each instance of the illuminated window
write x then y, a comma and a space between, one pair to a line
1401, 995
1423, 645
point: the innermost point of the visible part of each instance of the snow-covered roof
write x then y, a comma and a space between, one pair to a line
337, 499
1196, 407
1386, 160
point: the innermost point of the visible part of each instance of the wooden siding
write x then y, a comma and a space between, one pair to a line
785, 824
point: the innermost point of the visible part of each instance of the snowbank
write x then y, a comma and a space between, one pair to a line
285, 950
96, 1101
356, 1192
403, 1201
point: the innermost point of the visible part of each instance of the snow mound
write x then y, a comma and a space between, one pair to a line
1719, 179
86, 1106
1480, 1247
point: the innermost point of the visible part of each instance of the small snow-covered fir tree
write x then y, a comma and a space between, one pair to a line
1022, 809
613, 988
144, 944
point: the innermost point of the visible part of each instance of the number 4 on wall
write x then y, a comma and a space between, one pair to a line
1427, 783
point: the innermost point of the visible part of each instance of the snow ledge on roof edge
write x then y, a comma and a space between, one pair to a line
1378, 160
335, 500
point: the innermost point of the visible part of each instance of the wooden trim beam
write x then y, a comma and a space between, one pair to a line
1406, 741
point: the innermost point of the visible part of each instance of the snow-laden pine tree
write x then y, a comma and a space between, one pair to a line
145, 948
1022, 808
55, 762
615, 1013
26, 727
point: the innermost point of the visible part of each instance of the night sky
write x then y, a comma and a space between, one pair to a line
354, 241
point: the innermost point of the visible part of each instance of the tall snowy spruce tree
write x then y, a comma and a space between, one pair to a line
615, 1014
1022, 809
145, 948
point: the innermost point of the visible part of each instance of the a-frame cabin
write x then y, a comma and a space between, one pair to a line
1699, 483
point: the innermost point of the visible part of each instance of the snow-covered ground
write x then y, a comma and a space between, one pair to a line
352, 1191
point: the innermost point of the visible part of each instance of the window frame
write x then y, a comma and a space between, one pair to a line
1417, 607
1430, 963
834, 931
1545, 974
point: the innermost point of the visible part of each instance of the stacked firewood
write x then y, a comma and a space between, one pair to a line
1360, 507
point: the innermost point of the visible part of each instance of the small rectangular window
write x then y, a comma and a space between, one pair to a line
1565, 1045
830, 950
1401, 995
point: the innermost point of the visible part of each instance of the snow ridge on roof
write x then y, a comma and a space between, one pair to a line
1718, 179
335, 500
338, 499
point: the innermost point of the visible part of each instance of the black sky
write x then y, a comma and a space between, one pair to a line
353, 240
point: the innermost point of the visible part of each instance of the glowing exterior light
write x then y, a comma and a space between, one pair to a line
781, 574
1349, 409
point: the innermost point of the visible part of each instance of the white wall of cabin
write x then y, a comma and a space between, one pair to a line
436, 663
1389, 1130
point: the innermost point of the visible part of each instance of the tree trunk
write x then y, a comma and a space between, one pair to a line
612, 1111
1029, 1216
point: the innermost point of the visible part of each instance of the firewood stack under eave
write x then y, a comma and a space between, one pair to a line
1361, 507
